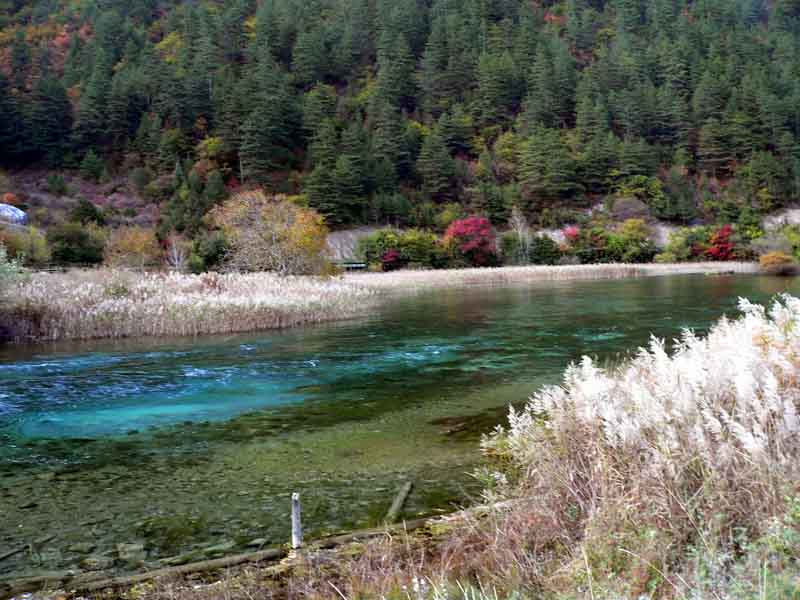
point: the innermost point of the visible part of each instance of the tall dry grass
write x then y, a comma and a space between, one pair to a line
623, 474
414, 280
117, 303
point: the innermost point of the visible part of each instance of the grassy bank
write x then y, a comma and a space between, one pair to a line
115, 304
672, 476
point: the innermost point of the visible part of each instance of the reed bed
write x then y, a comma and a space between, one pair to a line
665, 474
117, 304
416, 280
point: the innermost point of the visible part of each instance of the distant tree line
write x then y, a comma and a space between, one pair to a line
392, 110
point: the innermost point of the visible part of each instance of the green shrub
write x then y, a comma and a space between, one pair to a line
629, 243
56, 184
544, 251
589, 246
86, 212
422, 248
73, 243
512, 249
161, 188
28, 245
372, 248
395, 249
11, 270
449, 213
92, 166
139, 178
540, 250
678, 203
208, 252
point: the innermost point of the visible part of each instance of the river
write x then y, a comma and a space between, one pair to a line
191, 448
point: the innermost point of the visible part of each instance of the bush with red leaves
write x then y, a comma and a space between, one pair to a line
474, 239
392, 260
720, 245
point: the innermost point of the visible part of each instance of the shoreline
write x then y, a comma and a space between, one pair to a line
113, 304
447, 278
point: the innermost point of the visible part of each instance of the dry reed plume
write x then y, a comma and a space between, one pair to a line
115, 304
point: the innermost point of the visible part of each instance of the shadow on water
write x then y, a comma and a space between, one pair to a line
193, 447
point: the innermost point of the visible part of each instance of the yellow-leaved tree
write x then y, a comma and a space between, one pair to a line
133, 247
272, 233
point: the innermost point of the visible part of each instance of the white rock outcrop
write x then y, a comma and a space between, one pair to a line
13, 215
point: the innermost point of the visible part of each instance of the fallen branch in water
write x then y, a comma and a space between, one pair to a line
399, 501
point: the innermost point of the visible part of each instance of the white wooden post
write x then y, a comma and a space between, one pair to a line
297, 526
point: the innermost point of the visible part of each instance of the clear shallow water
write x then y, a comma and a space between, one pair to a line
184, 444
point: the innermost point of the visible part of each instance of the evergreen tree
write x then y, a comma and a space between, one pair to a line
319, 104
20, 59
49, 120
547, 170
90, 124
12, 132
436, 167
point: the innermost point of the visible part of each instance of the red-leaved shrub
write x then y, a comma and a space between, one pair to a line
392, 260
475, 239
721, 246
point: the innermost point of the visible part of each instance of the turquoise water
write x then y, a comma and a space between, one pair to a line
180, 445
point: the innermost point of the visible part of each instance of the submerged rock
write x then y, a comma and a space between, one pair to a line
131, 554
97, 563
82, 547
219, 549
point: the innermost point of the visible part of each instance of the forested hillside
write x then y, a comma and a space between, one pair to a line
412, 111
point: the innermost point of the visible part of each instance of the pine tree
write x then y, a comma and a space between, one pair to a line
90, 124
324, 144
598, 162
396, 73
713, 149
20, 59
498, 93
49, 120
436, 167
12, 125
319, 104
309, 57
118, 118
637, 157
435, 80
547, 170
348, 181
388, 148
456, 129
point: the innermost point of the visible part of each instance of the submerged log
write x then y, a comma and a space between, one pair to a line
399, 501
231, 561
197, 567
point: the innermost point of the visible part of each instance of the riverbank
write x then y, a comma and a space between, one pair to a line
123, 304
415, 280
670, 476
